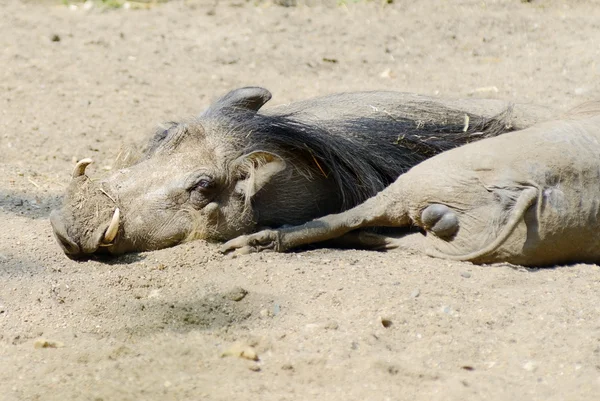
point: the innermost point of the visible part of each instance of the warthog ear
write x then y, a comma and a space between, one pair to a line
256, 169
250, 98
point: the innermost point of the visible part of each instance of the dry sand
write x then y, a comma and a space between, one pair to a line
80, 82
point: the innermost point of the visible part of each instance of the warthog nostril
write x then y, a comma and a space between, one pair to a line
60, 233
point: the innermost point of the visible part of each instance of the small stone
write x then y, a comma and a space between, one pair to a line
236, 294
287, 366
415, 294
312, 326
387, 73
55, 38
447, 310
465, 274
254, 367
385, 322
241, 350
332, 326
265, 313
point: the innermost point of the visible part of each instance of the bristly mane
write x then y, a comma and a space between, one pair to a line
364, 155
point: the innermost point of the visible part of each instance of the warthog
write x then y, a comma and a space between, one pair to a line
530, 198
234, 170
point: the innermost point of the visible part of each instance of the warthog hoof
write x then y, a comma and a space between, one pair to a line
440, 220
266, 240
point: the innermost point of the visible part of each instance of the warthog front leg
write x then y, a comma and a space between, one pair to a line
384, 210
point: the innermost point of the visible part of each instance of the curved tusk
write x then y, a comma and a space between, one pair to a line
79, 169
113, 228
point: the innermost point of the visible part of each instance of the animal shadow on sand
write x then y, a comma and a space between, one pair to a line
28, 205
216, 310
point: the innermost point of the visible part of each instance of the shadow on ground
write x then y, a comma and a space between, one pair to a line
28, 205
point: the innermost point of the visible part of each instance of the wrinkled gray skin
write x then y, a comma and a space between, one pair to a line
530, 198
234, 170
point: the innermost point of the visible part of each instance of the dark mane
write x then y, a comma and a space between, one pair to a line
363, 155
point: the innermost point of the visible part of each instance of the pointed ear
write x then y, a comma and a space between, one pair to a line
250, 98
256, 169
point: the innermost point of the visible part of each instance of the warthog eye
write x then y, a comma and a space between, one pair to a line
204, 184
202, 191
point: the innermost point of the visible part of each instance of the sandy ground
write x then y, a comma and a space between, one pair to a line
152, 326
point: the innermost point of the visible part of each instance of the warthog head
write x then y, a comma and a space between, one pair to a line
187, 184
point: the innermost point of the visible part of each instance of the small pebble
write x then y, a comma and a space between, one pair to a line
332, 326
465, 274
55, 38
265, 313
385, 322
415, 293
287, 366
254, 368
236, 294
387, 73
241, 350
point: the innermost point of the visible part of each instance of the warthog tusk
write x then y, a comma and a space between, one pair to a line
113, 228
79, 169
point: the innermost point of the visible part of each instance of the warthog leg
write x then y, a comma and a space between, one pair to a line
384, 210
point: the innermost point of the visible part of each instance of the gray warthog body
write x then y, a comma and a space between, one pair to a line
233, 170
530, 198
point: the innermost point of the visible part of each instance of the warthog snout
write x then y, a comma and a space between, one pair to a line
67, 244
77, 241
71, 245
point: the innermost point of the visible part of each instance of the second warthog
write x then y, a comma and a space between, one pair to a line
530, 198
235, 169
